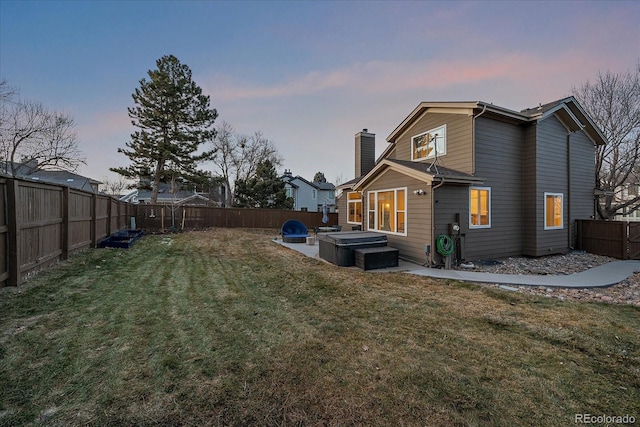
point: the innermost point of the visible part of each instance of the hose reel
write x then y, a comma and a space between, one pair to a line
444, 245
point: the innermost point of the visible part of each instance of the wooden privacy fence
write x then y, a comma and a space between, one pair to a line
163, 218
617, 239
43, 223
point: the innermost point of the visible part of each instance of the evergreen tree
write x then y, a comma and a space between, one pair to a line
319, 177
263, 190
174, 118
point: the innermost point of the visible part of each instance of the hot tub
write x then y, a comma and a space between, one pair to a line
337, 248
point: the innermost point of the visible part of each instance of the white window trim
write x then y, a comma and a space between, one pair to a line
561, 226
355, 201
375, 210
444, 130
471, 226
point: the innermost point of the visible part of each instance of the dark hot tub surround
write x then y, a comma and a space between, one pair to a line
338, 248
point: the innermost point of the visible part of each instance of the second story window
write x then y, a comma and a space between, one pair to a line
429, 144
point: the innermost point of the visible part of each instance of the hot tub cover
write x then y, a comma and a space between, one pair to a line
352, 238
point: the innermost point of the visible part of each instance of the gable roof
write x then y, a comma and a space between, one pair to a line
567, 109
418, 170
571, 114
65, 178
30, 171
179, 197
317, 185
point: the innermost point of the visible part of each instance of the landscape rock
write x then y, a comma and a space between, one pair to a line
625, 292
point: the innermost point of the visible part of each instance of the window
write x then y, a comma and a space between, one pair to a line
429, 144
480, 207
387, 211
354, 208
553, 211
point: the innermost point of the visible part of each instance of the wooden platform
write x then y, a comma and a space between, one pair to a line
373, 258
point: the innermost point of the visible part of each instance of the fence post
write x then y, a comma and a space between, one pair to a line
625, 240
94, 220
13, 256
65, 222
109, 212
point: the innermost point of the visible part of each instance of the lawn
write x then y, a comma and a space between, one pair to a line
224, 327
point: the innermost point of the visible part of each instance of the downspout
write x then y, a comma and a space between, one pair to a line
570, 234
433, 219
473, 139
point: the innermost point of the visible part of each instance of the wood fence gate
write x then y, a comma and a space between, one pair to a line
617, 239
634, 240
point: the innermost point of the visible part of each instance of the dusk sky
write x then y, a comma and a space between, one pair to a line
309, 75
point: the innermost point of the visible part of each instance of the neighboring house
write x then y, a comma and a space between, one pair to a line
628, 192
168, 197
58, 177
309, 196
513, 182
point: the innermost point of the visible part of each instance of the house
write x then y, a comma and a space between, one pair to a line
627, 193
500, 182
30, 171
309, 196
168, 197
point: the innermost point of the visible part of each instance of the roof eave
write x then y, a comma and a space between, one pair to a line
468, 105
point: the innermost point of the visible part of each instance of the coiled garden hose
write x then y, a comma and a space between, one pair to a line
444, 245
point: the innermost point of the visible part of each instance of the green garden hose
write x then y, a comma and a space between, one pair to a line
444, 245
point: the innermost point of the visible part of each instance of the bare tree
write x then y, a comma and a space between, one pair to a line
113, 187
236, 157
613, 102
31, 133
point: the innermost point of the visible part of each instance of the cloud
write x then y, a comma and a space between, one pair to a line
388, 77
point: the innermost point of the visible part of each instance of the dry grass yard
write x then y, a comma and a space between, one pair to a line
224, 327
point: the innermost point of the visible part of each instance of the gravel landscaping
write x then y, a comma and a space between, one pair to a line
625, 292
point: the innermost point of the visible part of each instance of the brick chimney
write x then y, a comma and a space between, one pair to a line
365, 152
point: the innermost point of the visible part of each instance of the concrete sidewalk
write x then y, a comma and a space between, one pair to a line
597, 277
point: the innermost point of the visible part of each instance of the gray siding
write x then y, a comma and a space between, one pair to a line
529, 192
551, 174
418, 214
451, 201
583, 180
459, 153
499, 147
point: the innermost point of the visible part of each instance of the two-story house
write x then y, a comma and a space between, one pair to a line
503, 183
309, 196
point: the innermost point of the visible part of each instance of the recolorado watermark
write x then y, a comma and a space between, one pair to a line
604, 419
